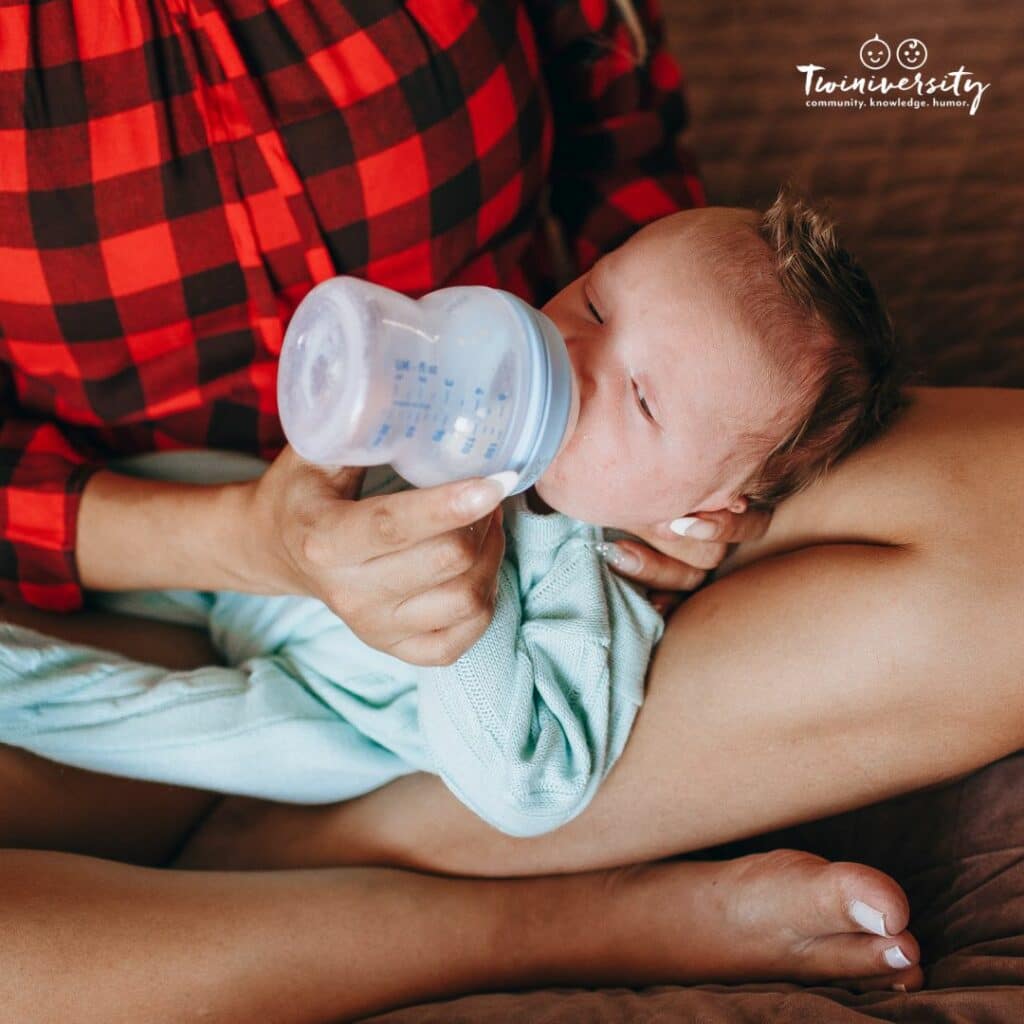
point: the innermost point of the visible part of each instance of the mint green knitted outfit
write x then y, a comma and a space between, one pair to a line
522, 728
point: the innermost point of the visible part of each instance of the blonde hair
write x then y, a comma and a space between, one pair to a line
853, 369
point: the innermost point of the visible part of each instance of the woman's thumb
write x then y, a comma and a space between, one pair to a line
347, 481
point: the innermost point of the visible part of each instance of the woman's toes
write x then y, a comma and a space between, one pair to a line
909, 980
856, 898
854, 956
814, 897
872, 901
794, 915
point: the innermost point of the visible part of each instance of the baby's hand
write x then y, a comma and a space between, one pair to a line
673, 562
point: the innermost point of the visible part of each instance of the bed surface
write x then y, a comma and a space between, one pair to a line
933, 202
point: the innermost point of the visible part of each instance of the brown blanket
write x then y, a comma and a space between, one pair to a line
933, 200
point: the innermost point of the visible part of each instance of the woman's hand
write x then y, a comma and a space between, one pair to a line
669, 563
413, 574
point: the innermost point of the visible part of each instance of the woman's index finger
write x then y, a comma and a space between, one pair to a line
391, 522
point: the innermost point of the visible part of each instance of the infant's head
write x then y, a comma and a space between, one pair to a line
725, 358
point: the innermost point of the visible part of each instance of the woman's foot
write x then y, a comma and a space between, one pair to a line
785, 915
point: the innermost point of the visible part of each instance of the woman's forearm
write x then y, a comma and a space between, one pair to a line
136, 534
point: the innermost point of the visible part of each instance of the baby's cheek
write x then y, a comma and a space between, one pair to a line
586, 488
585, 464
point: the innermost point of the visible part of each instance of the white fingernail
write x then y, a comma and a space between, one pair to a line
894, 957
615, 556
899, 988
867, 917
508, 479
682, 524
691, 526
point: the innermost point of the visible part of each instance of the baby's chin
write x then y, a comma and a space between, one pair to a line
553, 497
547, 496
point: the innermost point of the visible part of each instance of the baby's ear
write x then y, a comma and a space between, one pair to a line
738, 505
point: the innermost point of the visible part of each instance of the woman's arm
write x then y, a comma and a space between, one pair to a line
410, 573
137, 534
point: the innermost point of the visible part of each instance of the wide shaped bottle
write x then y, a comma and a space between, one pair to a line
466, 381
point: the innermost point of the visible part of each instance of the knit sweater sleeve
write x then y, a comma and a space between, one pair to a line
526, 724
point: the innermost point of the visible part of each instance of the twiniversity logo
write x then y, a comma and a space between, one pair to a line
957, 88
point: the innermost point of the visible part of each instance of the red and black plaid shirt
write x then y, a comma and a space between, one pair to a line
176, 175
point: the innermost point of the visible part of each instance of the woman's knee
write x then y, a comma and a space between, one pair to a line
947, 478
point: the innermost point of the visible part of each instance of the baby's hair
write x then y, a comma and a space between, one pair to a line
851, 387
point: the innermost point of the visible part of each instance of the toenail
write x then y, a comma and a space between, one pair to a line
894, 957
867, 917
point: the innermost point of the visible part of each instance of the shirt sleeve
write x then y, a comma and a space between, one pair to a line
525, 726
42, 475
619, 107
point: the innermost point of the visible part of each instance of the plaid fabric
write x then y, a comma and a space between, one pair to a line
176, 175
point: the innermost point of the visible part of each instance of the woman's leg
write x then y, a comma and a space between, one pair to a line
381, 938
370, 939
321, 945
131, 944
883, 658
54, 807
48, 806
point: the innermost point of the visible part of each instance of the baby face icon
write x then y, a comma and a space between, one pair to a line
875, 53
911, 54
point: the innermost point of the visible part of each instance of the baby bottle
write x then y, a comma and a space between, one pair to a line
466, 381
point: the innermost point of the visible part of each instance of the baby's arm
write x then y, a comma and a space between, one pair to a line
526, 724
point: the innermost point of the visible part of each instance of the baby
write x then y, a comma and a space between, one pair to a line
724, 358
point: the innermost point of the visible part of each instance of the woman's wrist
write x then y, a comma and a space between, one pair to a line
248, 551
138, 534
